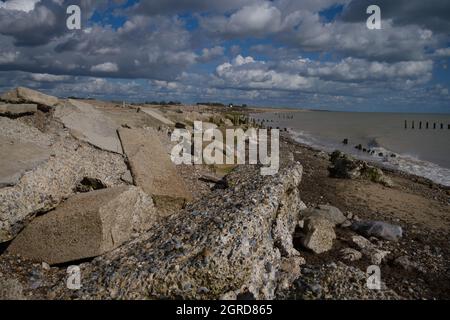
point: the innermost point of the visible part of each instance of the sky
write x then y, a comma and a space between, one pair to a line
314, 54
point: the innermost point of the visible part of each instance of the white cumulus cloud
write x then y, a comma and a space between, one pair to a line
105, 67
19, 5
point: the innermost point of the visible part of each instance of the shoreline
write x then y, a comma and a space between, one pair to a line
223, 211
398, 171
419, 205
402, 162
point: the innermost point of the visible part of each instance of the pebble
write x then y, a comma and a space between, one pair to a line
45, 266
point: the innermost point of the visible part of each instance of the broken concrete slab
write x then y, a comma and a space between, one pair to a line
89, 124
21, 95
225, 249
158, 116
17, 130
86, 225
152, 168
45, 187
17, 109
17, 158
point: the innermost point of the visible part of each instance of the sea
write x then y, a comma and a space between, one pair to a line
418, 144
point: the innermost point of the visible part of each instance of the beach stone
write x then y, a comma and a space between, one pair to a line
377, 175
346, 224
368, 249
405, 263
344, 166
350, 254
152, 168
86, 225
376, 255
24, 95
17, 109
330, 213
362, 242
319, 234
89, 124
378, 229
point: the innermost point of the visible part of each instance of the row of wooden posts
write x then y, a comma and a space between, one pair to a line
425, 125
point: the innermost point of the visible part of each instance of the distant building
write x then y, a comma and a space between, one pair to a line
230, 105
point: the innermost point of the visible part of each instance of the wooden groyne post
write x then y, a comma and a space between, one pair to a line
427, 125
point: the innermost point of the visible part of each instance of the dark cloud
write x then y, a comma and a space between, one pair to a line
168, 7
430, 14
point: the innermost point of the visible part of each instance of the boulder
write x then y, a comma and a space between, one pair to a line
19, 157
152, 168
24, 95
15, 110
330, 213
344, 166
86, 225
319, 234
378, 229
89, 124
377, 175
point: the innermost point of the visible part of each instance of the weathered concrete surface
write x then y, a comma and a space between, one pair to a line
19, 131
44, 187
21, 95
17, 109
155, 114
89, 124
221, 246
86, 225
152, 168
17, 158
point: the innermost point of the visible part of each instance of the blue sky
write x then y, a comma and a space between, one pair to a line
315, 54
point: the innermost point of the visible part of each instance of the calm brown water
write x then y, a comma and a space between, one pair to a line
424, 152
